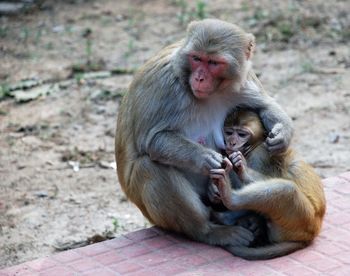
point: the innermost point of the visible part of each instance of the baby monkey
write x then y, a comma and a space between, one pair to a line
282, 188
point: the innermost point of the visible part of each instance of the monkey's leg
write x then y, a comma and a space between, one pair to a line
172, 203
279, 199
249, 220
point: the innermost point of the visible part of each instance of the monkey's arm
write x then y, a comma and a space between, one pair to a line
220, 178
276, 121
172, 148
250, 175
245, 174
279, 125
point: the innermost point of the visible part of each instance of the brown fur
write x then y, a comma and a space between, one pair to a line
284, 189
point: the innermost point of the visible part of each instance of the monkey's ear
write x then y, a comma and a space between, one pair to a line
192, 25
250, 46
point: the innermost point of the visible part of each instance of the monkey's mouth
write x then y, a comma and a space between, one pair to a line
229, 151
201, 94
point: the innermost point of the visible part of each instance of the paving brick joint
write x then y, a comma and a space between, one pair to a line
153, 251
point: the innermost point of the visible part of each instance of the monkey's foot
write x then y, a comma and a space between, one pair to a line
257, 225
229, 235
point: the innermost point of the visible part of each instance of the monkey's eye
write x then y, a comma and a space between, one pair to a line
242, 134
213, 62
196, 58
228, 132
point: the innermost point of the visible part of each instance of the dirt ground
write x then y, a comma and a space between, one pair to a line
58, 187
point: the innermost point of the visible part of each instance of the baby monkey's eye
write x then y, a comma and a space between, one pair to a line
228, 132
243, 134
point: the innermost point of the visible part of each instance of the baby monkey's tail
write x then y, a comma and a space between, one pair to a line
265, 252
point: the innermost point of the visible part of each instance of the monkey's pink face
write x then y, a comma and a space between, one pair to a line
207, 73
236, 138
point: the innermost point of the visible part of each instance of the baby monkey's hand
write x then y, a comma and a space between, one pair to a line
220, 178
213, 193
239, 162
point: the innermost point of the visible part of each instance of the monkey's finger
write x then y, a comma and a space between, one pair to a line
278, 148
218, 157
235, 160
233, 155
216, 165
217, 171
217, 179
214, 189
212, 160
275, 140
213, 163
277, 129
217, 175
238, 156
243, 236
227, 165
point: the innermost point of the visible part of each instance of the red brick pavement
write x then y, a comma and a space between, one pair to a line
155, 252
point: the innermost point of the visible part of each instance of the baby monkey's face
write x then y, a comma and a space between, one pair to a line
236, 138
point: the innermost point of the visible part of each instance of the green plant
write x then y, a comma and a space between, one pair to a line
115, 224
131, 48
79, 77
245, 7
88, 49
38, 36
49, 46
182, 15
186, 14
4, 91
3, 31
87, 34
286, 30
260, 14
135, 17
307, 67
25, 34
201, 9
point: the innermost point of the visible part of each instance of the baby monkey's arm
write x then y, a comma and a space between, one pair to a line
245, 174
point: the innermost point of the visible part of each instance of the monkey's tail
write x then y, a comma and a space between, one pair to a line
265, 252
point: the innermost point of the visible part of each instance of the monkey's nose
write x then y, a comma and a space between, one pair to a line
199, 79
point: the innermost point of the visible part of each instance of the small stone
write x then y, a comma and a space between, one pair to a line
8, 8
334, 137
58, 29
75, 165
41, 194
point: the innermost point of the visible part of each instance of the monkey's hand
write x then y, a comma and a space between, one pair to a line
239, 163
256, 224
213, 194
278, 139
221, 180
210, 160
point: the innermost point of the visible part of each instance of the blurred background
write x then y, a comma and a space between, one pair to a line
65, 65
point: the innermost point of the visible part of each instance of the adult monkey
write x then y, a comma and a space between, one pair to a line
176, 102
283, 188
